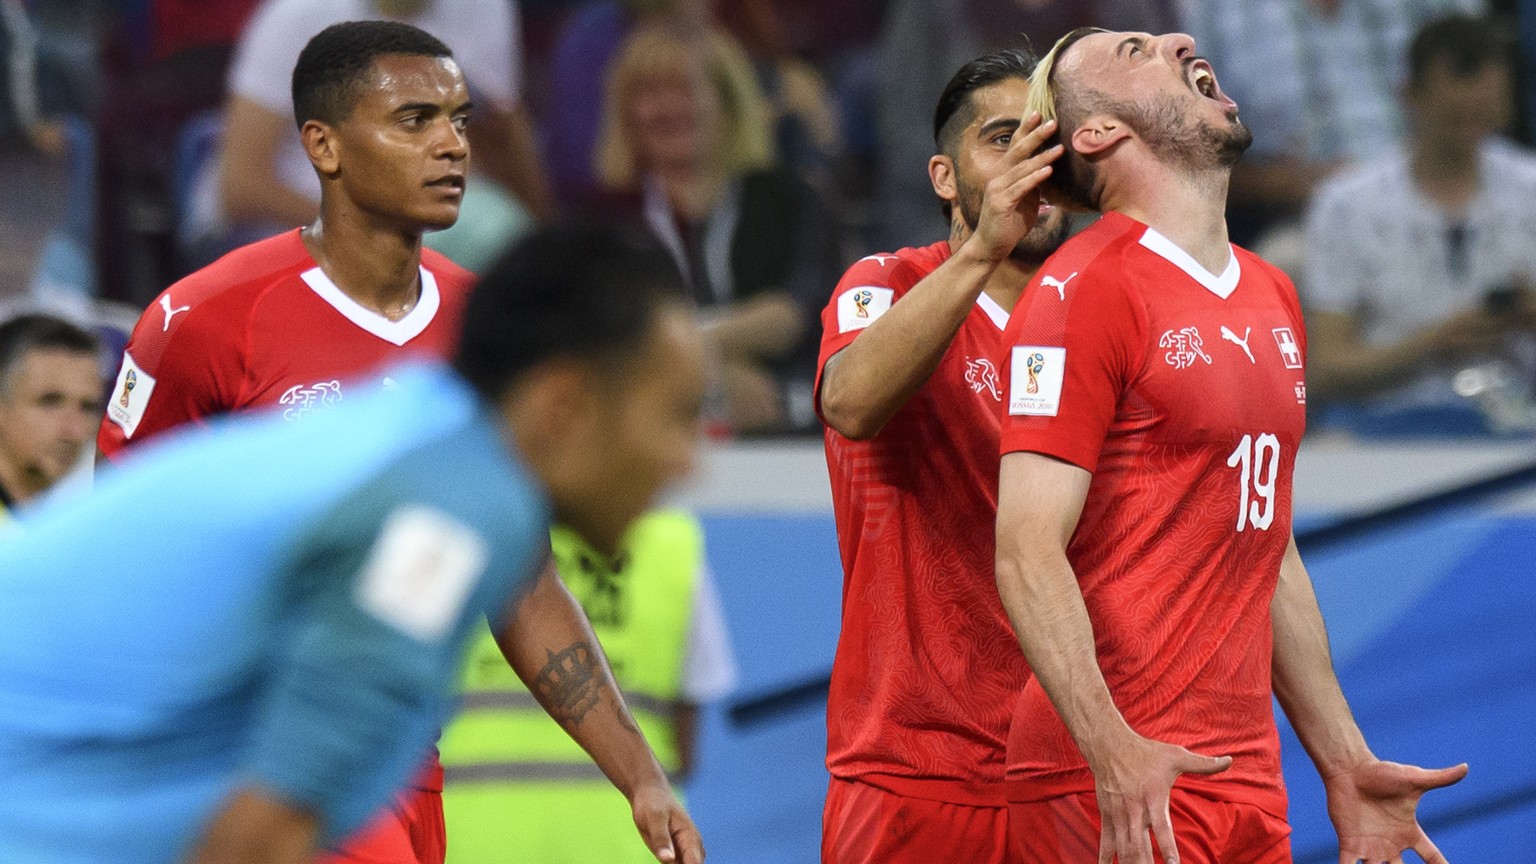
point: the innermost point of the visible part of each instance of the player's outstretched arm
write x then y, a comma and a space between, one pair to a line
549, 643
1039, 502
1373, 804
866, 383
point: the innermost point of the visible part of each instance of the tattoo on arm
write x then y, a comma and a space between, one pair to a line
570, 684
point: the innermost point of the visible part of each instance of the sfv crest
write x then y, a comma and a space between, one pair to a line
1184, 347
982, 376
303, 400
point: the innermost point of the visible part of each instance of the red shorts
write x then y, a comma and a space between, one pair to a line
1207, 831
864, 824
410, 831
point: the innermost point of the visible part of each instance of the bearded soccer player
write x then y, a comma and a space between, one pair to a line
1156, 398
926, 671
295, 321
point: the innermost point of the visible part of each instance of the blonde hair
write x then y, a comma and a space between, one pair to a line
1073, 180
1042, 89
657, 50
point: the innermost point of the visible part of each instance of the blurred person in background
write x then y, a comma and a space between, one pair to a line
686, 148
261, 181
1319, 82
925, 672
802, 115
1421, 267
50, 403
921, 43
238, 647
517, 789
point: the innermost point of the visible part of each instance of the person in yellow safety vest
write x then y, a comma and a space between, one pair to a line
50, 403
516, 788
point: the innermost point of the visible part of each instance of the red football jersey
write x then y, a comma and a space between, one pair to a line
263, 327
1182, 391
927, 666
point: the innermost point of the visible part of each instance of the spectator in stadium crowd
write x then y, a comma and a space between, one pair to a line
1422, 260
516, 787
261, 182
1318, 82
805, 123
685, 147
50, 401
579, 63
922, 42
806, 126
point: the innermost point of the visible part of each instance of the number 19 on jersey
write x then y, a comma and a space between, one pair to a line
1259, 461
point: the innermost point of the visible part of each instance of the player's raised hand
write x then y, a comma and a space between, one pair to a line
1011, 202
665, 826
1132, 785
1374, 808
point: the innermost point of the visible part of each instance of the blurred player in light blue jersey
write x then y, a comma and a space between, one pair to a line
240, 646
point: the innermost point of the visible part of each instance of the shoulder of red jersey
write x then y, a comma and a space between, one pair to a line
449, 275
898, 270
1252, 263
874, 282
220, 297
1090, 260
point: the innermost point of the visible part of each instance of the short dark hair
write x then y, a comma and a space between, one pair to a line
1469, 44
38, 332
574, 289
335, 64
956, 109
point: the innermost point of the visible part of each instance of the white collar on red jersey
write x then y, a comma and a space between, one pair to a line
1222, 286
994, 310
393, 332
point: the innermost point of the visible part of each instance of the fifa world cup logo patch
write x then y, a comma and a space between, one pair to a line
861, 301
1034, 366
130, 381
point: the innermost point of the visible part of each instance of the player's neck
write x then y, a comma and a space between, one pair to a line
1189, 208
1008, 281
377, 267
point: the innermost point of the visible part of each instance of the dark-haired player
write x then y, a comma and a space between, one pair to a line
297, 321
238, 648
382, 109
925, 670
50, 402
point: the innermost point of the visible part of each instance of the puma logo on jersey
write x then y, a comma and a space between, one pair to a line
982, 376
1242, 343
165, 303
1059, 285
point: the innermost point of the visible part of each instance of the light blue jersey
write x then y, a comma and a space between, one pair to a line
265, 602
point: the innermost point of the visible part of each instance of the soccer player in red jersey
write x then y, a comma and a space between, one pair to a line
292, 321
1155, 402
926, 670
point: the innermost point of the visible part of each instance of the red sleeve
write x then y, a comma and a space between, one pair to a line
177, 369
864, 293
1069, 361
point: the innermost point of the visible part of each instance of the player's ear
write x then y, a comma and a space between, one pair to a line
941, 172
1099, 133
320, 145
